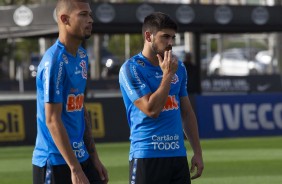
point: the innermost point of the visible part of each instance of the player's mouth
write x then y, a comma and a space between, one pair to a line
88, 28
169, 47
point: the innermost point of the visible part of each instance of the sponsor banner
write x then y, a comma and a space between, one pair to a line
96, 114
244, 84
239, 115
12, 126
18, 121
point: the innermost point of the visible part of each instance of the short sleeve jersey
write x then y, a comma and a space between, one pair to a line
61, 78
153, 137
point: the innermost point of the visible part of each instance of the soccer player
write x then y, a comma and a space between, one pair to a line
65, 152
154, 89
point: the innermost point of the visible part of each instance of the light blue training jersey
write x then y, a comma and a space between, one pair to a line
153, 137
61, 78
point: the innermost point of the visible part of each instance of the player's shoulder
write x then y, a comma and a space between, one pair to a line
54, 52
136, 61
181, 64
53, 55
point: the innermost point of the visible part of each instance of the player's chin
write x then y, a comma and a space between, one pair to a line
87, 36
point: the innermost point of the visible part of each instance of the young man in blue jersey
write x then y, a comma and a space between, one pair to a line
154, 89
65, 152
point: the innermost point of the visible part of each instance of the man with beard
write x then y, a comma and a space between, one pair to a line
65, 152
154, 89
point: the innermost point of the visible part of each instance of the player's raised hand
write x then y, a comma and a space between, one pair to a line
168, 63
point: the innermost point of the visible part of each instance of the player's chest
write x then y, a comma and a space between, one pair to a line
76, 72
154, 78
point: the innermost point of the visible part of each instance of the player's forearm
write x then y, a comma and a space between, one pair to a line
191, 132
89, 140
158, 99
62, 142
88, 137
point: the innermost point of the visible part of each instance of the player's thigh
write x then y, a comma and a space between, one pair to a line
150, 171
59, 174
180, 170
38, 174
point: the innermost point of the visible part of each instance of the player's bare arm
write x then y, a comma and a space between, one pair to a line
190, 127
90, 146
59, 134
87, 138
153, 103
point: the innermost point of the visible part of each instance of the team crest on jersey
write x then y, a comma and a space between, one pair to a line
174, 79
65, 59
82, 64
140, 62
81, 54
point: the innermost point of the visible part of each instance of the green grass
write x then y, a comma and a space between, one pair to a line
227, 161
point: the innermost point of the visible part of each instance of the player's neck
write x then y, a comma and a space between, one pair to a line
150, 57
70, 44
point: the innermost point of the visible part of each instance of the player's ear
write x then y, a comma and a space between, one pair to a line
64, 19
148, 36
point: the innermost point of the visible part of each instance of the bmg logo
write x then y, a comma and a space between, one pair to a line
11, 123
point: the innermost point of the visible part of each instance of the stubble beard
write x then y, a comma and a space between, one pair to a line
156, 50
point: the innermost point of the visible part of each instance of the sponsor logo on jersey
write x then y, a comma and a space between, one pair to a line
65, 59
174, 79
78, 149
136, 76
46, 73
165, 142
84, 69
74, 102
59, 77
81, 53
140, 62
126, 82
171, 103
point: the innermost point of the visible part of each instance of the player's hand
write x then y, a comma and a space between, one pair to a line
168, 64
78, 177
197, 162
103, 173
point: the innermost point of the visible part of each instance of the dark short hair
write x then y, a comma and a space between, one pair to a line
67, 4
158, 21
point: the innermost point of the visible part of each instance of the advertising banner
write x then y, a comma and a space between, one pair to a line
18, 121
239, 115
242, 84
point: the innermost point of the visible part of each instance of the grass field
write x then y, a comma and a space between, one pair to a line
227, 161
